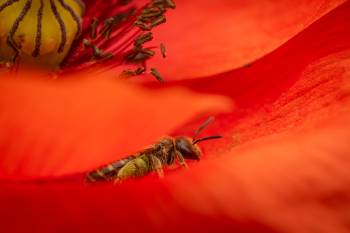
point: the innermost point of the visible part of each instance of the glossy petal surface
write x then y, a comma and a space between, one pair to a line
282, 166
53, 128
208, 37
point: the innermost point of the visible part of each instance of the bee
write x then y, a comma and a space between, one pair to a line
166, 152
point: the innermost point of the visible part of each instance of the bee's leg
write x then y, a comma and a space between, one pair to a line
156, 165
181, 159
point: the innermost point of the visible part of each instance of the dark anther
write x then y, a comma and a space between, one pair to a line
114, 21
163, 50
142, 26
156, 74
158, 21
143, 38
93, 28
98, 54
86, 43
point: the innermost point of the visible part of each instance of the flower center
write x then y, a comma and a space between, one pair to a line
38, 32
115, 36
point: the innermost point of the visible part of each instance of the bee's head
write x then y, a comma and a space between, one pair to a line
188, 147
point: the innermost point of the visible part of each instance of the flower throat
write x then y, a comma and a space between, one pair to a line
51, 34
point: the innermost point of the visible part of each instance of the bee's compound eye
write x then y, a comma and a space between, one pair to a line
185, 147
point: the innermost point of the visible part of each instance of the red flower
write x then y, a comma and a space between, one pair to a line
281, 167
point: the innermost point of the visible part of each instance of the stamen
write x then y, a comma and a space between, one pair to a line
170, 4
114, 21
93, 28
86, 43
165, 3
143, 38
163, 50
142, 26
129, 73
140, 54
130, 49
62, 27
98, 54
151, 12
158, 21
148, 52
108, 26
140, 70
156, 74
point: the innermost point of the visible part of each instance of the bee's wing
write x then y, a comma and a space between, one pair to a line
121, 163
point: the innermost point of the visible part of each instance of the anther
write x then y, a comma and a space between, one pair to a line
98, 54
163, 50
170, 4
107, 28
140, 70
86, 43
112, 22
158, 21
152, 12
130, 73
140, 54
143, 38
93, 28
157, 75
142, 26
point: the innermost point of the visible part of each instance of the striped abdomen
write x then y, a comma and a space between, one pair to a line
109, 171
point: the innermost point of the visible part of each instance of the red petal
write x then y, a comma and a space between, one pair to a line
298, 82
207, 37
293, 182
57, 128
296, 180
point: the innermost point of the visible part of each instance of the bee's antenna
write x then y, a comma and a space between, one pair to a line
206, 138
205, 124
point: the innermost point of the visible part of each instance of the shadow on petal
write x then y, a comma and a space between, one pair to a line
51, 128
